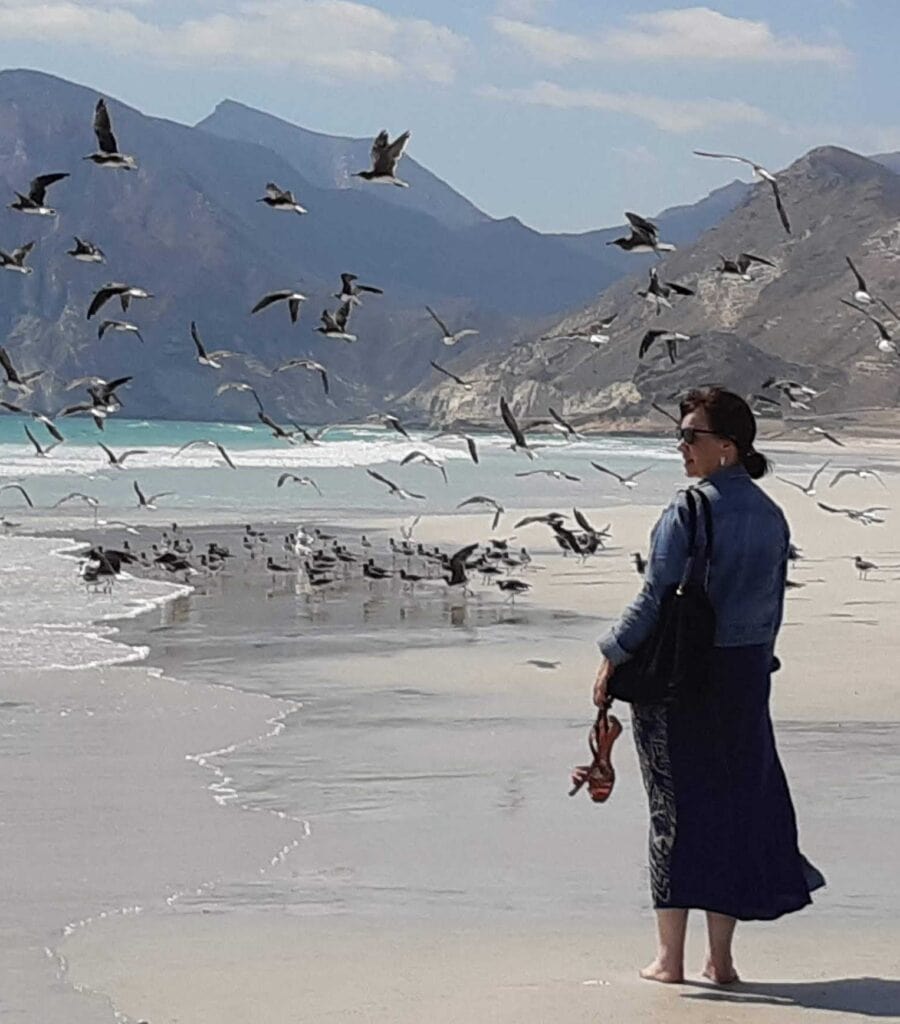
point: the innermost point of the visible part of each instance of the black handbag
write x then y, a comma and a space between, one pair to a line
673, 662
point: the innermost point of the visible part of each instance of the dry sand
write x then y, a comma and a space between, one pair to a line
838, 961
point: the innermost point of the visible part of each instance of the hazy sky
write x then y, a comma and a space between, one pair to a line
560, 112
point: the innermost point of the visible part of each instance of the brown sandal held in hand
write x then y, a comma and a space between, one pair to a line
600, 775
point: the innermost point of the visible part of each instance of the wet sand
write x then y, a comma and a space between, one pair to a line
447, 876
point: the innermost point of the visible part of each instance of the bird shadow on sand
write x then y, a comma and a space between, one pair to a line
868, 997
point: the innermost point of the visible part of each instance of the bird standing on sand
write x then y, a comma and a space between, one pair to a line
281, 199
450, 337
863, 567
34, 203
107, 153
760, 172
385, 157
15, 260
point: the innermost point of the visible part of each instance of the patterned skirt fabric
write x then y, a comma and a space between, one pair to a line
723, 835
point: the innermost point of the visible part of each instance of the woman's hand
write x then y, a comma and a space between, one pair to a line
601, 697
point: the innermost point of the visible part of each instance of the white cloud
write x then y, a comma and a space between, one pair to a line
697, 34
669, 115
339, 38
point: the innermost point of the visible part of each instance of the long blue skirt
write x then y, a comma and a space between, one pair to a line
723, 835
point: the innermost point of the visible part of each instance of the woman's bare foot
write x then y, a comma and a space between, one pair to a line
720, 974
659, 970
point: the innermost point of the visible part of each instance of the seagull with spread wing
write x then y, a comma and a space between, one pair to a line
21, 490
211, 359
107, 153
281, 199
394, 488
809, 488
885, 342
124, 292
305, 481
760, 172
466, 384
121, 326
862, 474
15, 260
34, 203
447, 336
385, 157
20, 382
118, 461
86, 252
310, 365
483, 499
554, 474
470, 441
149, 503
519, 441
206, 443
40, 450
669, 338
627, 480
291, 296
740, 267
350, 290
863, 516
334, 325
425, 459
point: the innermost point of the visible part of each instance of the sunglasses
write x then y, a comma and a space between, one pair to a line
689, 434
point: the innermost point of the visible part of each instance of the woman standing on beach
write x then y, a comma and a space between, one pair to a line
723, 837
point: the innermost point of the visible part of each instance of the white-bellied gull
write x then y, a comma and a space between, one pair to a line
107, 153
15, 260
34, 203
761, 173
385, 157
281, 199
289, 295
447, 336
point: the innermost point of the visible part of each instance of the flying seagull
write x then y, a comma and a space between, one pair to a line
644, 237
20, 382
862, 293
822, 432
885, 342
39, 416
118, 461
125, 293
669, 338
462, 383
519, 440
281, 199
125, 326
205, 443
427, 460
470, 442
306, 481
34, 202
40, 450
863, 474
306, 364
20, 489
88, 499
144, 501
86, 252
394, 488
739, 268
289, 295
761, 173
625, 481
555, 474
657, 292
107, 153
448, 336
594, 333
350, 290
15, 260
864, 516
210, 359
808, 488
482, 499
334, 325
385, 157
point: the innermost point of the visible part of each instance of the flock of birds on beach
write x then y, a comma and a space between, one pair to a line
319, 563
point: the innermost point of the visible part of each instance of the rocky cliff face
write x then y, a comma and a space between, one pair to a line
786, 320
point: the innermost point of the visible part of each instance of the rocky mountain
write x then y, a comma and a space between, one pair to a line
786, 320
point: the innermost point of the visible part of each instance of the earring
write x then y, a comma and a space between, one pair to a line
721, 460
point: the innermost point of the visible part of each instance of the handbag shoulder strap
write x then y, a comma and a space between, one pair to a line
695, 496
706, 505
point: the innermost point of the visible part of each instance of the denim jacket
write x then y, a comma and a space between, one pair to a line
747, 572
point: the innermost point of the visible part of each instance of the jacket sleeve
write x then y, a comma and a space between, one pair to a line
668, 555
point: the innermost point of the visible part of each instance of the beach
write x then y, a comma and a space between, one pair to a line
356, 809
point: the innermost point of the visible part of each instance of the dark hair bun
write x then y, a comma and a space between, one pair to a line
755, 463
